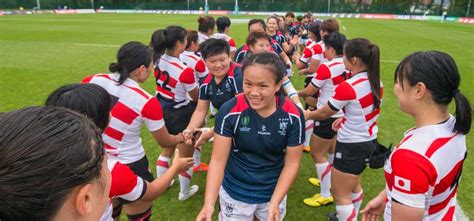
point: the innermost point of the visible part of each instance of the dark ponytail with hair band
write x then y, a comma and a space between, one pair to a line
438, 71
130, 56
163, 39
369, 54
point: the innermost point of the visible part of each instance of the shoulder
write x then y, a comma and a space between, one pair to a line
289, 107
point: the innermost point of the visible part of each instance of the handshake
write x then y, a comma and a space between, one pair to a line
197, 136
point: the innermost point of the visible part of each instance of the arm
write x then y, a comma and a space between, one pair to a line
215, 174
313, 66
320, 114
402, 212
193, 93
374, 208
161, 184
309, 90
164, 139
199, 114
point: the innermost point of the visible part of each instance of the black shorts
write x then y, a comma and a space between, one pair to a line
353, 157
141, 169
177, 119
323, 129
307, 81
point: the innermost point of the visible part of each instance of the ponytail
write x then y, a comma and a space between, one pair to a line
463, 113
374, 73
163, 39
438, 71
369, 54
130, 56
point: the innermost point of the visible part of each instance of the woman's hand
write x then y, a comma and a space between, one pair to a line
273, 212
336, 124
180, 163
203, 136
374, 209
205, 214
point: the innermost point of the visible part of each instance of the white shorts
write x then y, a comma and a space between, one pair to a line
234, 210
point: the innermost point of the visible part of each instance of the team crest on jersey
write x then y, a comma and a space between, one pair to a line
264, 131
283, 126
245, 120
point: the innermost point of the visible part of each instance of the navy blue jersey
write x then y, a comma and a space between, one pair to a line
241, 53
258, 147
218, 94
279, 38
304, 30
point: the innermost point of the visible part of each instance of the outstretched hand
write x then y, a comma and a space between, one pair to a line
203, 135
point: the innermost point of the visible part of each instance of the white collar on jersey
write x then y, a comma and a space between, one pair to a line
170, 58
130, 82
360, 75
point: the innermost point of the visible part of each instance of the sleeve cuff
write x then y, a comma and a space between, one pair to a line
332, 107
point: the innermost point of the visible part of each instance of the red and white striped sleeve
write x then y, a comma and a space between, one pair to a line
322, 74
411, 177
152, 114
125, 184
343, 94
187, 79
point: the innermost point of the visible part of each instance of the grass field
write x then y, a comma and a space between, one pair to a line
39, 53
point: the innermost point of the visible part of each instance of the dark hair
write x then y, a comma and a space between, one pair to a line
290, 14
254, 36
330, 25
335, 40
213, 47
166, 39
369, 54
222, 23
257, 21
88, 99
314, 28
206, 23
45, 153
438, 71
299, 18
308, 15
273, 17
269, 60
191, 36
131, 56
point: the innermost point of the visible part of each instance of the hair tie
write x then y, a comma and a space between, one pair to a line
455, 92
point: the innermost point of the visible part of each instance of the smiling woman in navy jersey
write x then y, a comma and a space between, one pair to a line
221, 85
257, 147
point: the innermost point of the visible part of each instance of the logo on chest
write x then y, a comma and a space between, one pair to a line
263, 131
245, 122
283, 125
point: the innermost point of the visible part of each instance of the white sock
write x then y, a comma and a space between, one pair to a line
185, 181
330, 158
357, 200
346, 212
309, 125
197, 156
162, 165
324, 174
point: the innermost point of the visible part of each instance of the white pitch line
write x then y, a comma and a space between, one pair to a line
97, 45
387, 61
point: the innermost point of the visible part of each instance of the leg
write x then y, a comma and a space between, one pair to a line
164, 160
343, 184
138, 211
186, 190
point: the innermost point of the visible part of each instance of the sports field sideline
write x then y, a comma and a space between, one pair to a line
39, 53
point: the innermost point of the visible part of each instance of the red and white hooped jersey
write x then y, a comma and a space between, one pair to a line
327, 77
174, 80
313, 50
354, 97
195, 62
226, 37
424, 170
125, 185
132, 107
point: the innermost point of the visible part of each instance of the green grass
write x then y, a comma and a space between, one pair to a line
39, 53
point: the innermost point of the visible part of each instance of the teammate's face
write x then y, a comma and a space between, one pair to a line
256, 27
181, 45
405, 96
289, 20
348, 63
144, 73
329, 52
260, 87
218, 64
272, 24
262, 45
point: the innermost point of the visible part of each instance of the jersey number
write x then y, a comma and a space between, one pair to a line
166, 79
